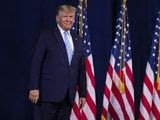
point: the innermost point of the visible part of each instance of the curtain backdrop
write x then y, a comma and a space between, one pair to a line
21, 22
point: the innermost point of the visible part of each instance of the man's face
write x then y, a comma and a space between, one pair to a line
66, 19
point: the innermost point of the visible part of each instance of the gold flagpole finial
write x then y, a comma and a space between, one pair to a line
121, 86
158, 81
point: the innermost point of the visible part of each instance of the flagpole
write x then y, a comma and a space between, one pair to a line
80, 19
158, 74
121, 84
86, 3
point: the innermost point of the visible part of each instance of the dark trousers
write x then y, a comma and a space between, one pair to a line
56, 111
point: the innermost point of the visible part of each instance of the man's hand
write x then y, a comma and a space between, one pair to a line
82, 102
34, 96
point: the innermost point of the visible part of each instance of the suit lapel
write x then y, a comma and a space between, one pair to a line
61, 43
74, 38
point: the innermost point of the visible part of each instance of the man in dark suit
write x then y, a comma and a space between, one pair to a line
58, 67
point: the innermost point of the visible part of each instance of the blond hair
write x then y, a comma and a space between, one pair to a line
69, 8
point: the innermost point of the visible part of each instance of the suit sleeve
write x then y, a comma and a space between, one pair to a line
36, 63
82, 75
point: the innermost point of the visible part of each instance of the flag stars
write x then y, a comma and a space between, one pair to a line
129, 48
118, 64
80, 7
114, 47
124, 36
89, 43
84, 41
156, 33
120, 19
80, 15
122, 43
155, 40
154, 47
157, 65
87, 51
119, 57
127, 55
124, 6
126, 32
118, 26
153, 54
122, 13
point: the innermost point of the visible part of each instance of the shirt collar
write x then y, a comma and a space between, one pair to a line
62, 31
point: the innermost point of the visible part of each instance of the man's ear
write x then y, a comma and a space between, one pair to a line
57, 18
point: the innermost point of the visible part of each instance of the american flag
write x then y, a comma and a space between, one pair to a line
118, 99
150, 101
89, 110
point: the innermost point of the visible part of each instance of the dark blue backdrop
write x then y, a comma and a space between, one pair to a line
22, 20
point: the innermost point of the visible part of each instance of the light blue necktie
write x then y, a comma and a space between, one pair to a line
68, 46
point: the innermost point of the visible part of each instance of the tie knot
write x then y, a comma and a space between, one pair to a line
66, 33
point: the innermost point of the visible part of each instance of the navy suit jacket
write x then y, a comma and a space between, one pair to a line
50, 69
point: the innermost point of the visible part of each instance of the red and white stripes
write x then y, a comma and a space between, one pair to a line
89, 110
150, 101
115, 104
